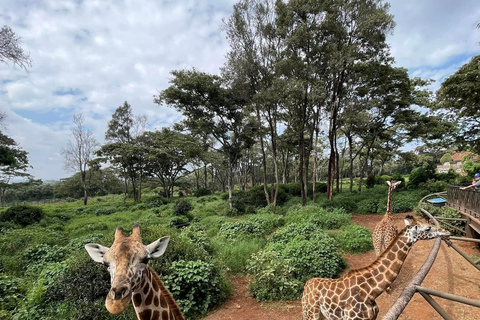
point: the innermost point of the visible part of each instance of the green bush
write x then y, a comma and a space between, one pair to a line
314, 257
247, 201
22, 215
419, 175
36, 256
290, 232
105, 211
244, 228
235, 254
402, 202
444, 212
331, 218
197, 286
272, 277
367, 206
182, 207
202, 192
10, 292
435, 186
354, 239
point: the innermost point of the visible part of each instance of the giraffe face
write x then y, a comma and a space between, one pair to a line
126, 261
420, 231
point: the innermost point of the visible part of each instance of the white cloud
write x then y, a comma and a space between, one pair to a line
107, 52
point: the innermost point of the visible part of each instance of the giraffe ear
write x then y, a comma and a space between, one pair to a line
96, 251
157, 247
397, 183
388, 182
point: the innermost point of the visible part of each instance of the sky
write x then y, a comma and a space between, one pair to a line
92, 55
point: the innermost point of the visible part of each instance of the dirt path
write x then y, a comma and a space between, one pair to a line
450, 273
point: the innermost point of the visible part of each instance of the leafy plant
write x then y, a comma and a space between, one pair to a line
22, 215
196, 286
272, 277
354, 239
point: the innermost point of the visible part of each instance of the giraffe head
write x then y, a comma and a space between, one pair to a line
126, 260
416, 230
393, 184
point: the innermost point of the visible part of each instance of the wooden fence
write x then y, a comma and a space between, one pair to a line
467, 202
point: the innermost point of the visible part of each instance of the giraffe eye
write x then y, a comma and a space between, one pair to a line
144, 260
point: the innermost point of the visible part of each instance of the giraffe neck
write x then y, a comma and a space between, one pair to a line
152, 300
389, 199
383, 271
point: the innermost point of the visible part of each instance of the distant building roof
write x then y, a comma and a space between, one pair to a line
459, 155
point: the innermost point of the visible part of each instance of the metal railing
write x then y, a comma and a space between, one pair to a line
415, 285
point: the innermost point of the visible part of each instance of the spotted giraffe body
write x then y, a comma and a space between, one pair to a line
132, 279
352, 297
386, 230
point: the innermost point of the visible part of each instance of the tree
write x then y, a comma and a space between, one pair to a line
458, 101
77, 154
212, 108
447, 157
13, 164
10, 49
168, 153
122, 150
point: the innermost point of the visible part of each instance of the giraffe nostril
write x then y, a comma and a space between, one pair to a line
119, 293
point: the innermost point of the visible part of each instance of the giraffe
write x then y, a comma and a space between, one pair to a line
386, 230
352, 297
132, 279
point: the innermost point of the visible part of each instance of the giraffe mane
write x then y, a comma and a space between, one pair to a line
174, 308
384, 253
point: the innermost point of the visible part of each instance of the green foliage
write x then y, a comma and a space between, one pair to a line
236, 253
444, 212
202, 192
354, 239
402, 202
314, 257
182, 207
10, 292
244, 228
332, 218
367, 206
36, 256
447, 157
273, 277
196, 286
22, 215
419, 175
435, 186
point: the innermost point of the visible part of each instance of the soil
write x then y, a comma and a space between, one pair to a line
450, 273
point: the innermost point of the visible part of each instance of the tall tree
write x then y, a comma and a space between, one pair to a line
212, 108
168, 153
356, 32
254, 46
77, 154
458, 100
122, 149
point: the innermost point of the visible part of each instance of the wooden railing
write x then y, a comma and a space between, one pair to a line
465, 201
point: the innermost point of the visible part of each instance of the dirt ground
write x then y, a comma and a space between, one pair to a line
450, 273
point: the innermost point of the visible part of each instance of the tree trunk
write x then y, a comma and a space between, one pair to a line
337, 167
331, 139
315, 156
300, 168
205, 177
264, 158
84, 185
230, 183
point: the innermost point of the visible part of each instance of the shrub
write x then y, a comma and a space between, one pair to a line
197, 286
402, 202
245, 228
105, 211
22, 215
288, 233
367, 206
10, 293
354, 239
272, 277
267, 220
178, 221
182, 207
315, 257
35, 257
202, 192
399, 177
435, 186
323, 218
417, 176
444, 212
235, 254
370, 181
